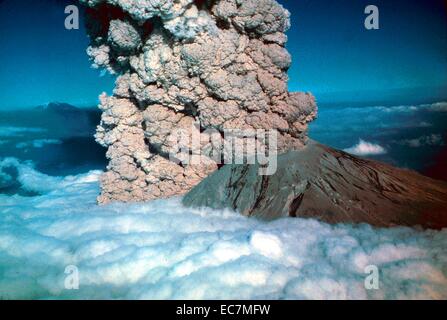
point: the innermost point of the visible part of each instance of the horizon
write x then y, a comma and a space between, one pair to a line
325, 103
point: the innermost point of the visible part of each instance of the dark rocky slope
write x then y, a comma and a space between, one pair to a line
329, 185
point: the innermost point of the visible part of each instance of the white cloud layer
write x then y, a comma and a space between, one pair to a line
438, 107
161, 250
37, 143
10, 131
364, 148
434, 107
433, 140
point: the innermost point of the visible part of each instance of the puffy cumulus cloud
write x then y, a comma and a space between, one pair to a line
37, 143
364, 148
220, 63
161, 250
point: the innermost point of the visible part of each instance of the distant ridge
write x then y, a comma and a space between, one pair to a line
62, 119
56, 106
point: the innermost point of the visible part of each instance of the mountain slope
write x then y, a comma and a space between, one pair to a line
329, 185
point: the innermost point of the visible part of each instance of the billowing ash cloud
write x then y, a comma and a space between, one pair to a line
219, 63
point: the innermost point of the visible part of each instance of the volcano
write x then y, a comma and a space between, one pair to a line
329, 185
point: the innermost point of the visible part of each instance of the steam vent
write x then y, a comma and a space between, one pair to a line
193, 65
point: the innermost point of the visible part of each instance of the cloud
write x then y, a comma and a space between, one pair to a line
429, 140
400, 109
38, 143
193, 57
424, 124
435, 107
438, 107
9, 131
364, 148
161, 250
35, 181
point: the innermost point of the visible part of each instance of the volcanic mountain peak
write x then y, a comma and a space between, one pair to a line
329, 185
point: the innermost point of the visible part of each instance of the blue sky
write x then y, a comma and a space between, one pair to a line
338, 59
334, 56
41, 60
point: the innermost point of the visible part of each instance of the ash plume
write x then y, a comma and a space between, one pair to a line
222, 64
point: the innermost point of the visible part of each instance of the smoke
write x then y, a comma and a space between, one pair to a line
161, 250
213, 64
